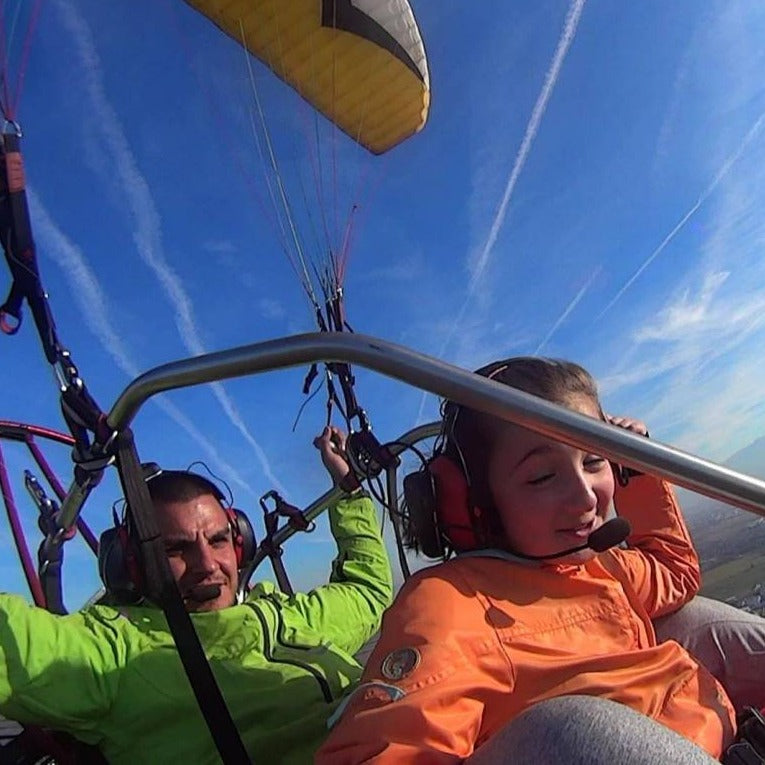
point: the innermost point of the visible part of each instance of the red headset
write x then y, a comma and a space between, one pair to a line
443, 515
119, 559
442, 512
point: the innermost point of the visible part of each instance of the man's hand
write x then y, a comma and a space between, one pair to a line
331, 445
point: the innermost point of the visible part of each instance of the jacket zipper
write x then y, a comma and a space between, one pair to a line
322, 681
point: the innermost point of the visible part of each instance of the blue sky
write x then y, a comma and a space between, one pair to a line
589, 185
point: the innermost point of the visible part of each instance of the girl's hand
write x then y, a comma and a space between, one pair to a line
623, 474
628, 423
331, 445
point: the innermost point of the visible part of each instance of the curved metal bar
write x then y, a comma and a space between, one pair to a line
30, 572
391, 493
26, 434
87, 534
21, 431
45, 581
455, 384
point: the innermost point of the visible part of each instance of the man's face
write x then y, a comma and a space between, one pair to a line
201, 552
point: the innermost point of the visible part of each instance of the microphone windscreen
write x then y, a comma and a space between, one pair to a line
610, 534
204, 592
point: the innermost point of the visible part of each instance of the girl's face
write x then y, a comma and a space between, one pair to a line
550, 496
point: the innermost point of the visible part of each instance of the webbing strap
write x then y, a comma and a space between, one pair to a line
164, 592
80, 410
19, 249
50, 580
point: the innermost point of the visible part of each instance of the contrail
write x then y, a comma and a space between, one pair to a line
551, 77
566, 38
569, 308
148, 234
94, 309
721, 173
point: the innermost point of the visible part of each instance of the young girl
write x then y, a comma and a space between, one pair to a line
477, 642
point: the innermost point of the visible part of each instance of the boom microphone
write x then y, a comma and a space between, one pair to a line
204, 592
610, 534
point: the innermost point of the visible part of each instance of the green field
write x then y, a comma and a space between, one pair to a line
735, 578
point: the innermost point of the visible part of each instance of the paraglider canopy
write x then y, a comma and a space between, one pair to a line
361, 63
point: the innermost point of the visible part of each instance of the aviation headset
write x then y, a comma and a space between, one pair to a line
119, 557
443, 513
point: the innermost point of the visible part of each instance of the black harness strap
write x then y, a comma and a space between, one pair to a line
81, 412
295, 519
51, 558
163, 591
19, 247
50, 554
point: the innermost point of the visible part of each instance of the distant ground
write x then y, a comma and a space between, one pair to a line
731, 546
731, 542
735, 579
724, 534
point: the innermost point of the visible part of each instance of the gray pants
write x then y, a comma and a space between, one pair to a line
729, 642
583, 729
587, 730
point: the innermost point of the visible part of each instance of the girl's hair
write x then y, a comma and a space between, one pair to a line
469, 436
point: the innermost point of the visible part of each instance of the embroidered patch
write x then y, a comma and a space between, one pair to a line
400, 663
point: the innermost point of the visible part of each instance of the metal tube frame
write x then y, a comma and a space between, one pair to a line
44, 586
19, 539
442, 379
326, 500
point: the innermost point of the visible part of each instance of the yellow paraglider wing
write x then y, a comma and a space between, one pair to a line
361, 63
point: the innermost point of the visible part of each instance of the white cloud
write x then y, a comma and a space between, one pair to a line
405, 269
713, 410
220, 246
568, 310
694, 367
85, 286
663, 142
691, 329
720, 175
479, 262
271, 309
148, 232
94, 308
687, 314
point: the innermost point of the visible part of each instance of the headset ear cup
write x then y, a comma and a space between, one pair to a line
457, 518
107, 566
439, 505
420, 496
118, 564
243, 536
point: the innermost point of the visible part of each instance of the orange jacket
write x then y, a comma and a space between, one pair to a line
492, 636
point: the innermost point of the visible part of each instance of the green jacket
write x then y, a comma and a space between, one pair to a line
112, 676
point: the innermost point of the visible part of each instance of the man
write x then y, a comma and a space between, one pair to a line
112, 676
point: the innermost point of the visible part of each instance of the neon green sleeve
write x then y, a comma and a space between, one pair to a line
57, 671
348, 610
